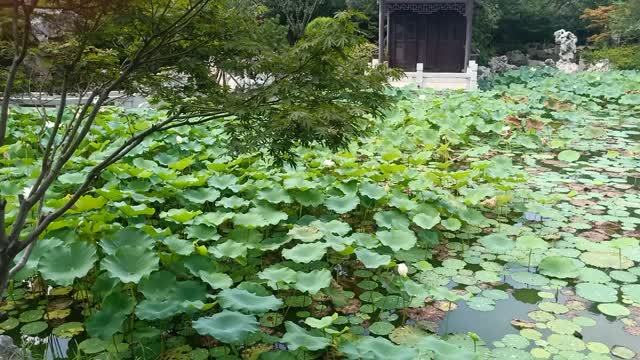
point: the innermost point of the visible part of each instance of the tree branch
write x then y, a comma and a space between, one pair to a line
21, 46
23, 261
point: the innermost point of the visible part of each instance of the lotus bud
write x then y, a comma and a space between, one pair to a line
328, 163
386, 188
202, 250
403, 270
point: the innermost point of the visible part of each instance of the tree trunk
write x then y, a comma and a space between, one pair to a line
5, 267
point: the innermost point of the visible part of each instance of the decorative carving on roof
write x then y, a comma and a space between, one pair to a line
427, 8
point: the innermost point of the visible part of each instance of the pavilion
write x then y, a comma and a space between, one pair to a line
430, 40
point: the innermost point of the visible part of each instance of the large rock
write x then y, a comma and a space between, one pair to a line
517, 58
9, 351
600, 66
500, 64
543, 52
566, 41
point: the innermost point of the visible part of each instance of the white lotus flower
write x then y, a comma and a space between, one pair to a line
179, 139
49, 124
403, 270
328, 163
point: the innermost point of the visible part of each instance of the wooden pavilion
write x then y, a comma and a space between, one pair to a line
430, 40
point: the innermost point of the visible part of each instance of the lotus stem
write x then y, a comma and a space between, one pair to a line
620, 257
529, 265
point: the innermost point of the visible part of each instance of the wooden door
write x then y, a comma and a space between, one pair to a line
436, 40
446, 33
403, 44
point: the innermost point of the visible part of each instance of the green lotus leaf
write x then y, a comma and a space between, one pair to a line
305, 233
299, 182
231, 249
451, 224
497, 243
135, 210
481, 303
381, 328
397, 239
64, 264
126, 237
270, 215
310, 197
372, 260
31, 315
568, 155
606, 260
201, 195
378, 348
427, 219
232, 202
33, 328
227, 326
165, 297
392, 219
562, 326
592, 275
332, 227
68, 330
275, 275
216, 280
321, 323
107, 321
566, 342
250, 220
623, 352
9, 324
92, 346
180, 216
342, 204
305, 253
632, 291
529, 242
178, 246
530, 278
224, 181
275, 195
245, 301
373, 191
129, 264
553, 307
313, 281
559, 267
624, 242
613, 309
213, 218
402, 202
297, 337
597, 292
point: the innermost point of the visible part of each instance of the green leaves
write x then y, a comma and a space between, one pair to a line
313, 281
305, 253
242, 300
427, 219
342, 204
227, 326
130, 263
568, 156
497, 243
108, 320
397, 239
63, 264
559, 267
372, 260
297, 337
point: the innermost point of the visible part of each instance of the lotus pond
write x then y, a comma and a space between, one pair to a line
502, 224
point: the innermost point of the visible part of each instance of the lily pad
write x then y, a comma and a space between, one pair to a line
597, 292
613, 309
559, 267
227, 326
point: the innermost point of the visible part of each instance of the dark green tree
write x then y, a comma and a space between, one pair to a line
201, 61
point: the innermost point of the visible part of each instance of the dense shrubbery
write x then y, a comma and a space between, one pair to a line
625, 57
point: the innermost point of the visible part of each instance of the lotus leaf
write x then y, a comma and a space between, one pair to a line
68, 330
559, 267
377, 348
92, 346
130, 263
397, 239
313, 281
305, 253
613, 309
297, 337
63, 264
632, 291
33, 328
242, 300
116, 307
597, 292
606, 260
427, 219
371, 259
227, 326
497, 243
342, 205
